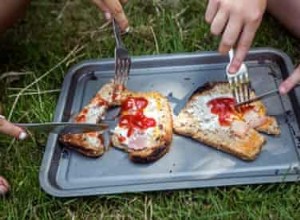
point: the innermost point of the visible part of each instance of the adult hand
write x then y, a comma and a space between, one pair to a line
290, 82
237, 22
113, 9
9, 129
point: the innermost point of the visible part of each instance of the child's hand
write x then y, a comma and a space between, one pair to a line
290, 82
9, 129
237, 22
113, 9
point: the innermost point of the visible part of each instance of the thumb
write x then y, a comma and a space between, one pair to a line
8, 128
290, 82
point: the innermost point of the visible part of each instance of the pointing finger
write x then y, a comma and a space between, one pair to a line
243, 46
230, 35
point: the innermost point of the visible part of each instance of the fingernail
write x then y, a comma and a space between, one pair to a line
107, 15
234, 67
22, 136
127, 29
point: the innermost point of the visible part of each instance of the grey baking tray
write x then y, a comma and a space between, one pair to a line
189, 164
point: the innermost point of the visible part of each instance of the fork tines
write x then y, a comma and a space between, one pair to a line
122, 59
240, 84
122, 67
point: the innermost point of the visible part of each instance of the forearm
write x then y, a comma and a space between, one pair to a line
11, 11
287, 12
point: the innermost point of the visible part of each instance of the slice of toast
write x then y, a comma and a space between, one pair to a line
145, 127
91, 143
144, 144
207, 119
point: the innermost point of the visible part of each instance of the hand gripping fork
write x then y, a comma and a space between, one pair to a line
239, 82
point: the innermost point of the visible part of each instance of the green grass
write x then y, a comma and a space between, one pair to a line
44, 39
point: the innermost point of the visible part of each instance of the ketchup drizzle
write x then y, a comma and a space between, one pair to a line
133, 116
224, 107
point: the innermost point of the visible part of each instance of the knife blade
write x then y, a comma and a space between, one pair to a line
63, 127
261, 96
264, 95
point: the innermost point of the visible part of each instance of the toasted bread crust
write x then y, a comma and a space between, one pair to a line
270, 126
246, 148
149, 155
79, 143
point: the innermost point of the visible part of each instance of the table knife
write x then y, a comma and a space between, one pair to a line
261, 96
63, 127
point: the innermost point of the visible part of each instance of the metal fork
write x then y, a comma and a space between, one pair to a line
122, 58
239, 82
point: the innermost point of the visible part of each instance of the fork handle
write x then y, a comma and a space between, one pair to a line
117, 33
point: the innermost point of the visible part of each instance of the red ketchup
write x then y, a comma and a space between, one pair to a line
121, 139
224, 108
116, 90
134, 117
101, 102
